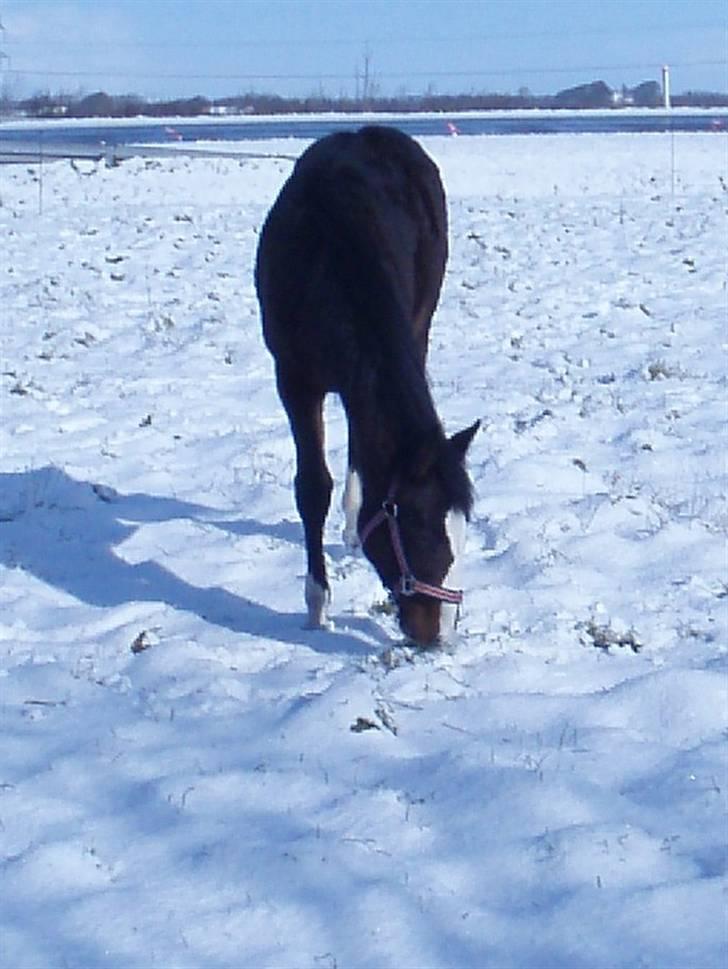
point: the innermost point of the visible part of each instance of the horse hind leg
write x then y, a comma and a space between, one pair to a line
351, 503
352, 498
313, 487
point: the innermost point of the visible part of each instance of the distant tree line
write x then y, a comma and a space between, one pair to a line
596, 94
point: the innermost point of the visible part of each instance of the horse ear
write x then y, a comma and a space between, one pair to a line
460, 442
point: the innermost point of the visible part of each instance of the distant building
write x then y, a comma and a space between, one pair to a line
594, 95
648, 94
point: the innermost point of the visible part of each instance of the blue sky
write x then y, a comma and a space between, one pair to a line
166, 48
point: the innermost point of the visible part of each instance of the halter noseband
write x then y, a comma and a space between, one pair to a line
408, 584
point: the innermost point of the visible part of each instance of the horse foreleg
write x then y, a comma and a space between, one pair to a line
313, 486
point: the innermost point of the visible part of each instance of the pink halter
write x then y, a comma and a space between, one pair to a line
408, 584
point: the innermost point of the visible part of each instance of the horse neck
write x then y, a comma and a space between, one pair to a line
391, 412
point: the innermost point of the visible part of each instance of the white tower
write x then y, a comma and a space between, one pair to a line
666, 86
4, 66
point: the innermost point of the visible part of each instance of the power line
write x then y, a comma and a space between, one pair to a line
388, 75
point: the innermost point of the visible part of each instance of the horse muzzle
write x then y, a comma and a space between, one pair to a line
426, 622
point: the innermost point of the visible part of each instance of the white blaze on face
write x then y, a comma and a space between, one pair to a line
455, 529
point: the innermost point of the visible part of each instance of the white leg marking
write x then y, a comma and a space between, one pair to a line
351, 504
455, 529
317, 601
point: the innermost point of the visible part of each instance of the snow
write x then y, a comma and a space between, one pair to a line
357, 118
187, 776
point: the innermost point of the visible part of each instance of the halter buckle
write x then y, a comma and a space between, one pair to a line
408, 585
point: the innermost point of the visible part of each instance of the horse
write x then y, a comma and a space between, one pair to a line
348, 272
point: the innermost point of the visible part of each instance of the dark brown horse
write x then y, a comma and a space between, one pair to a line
349, 269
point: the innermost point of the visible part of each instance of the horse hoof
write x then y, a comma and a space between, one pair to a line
318, 625
317, 600
351, 539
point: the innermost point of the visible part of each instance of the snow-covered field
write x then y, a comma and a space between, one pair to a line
190, 779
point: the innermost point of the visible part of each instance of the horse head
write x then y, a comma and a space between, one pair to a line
416, 537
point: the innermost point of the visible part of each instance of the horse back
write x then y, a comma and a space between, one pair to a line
352, 254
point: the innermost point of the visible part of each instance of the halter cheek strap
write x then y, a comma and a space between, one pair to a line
408, 584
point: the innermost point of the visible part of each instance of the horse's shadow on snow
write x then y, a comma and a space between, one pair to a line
65, 532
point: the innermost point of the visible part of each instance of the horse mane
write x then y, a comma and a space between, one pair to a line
457, 484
